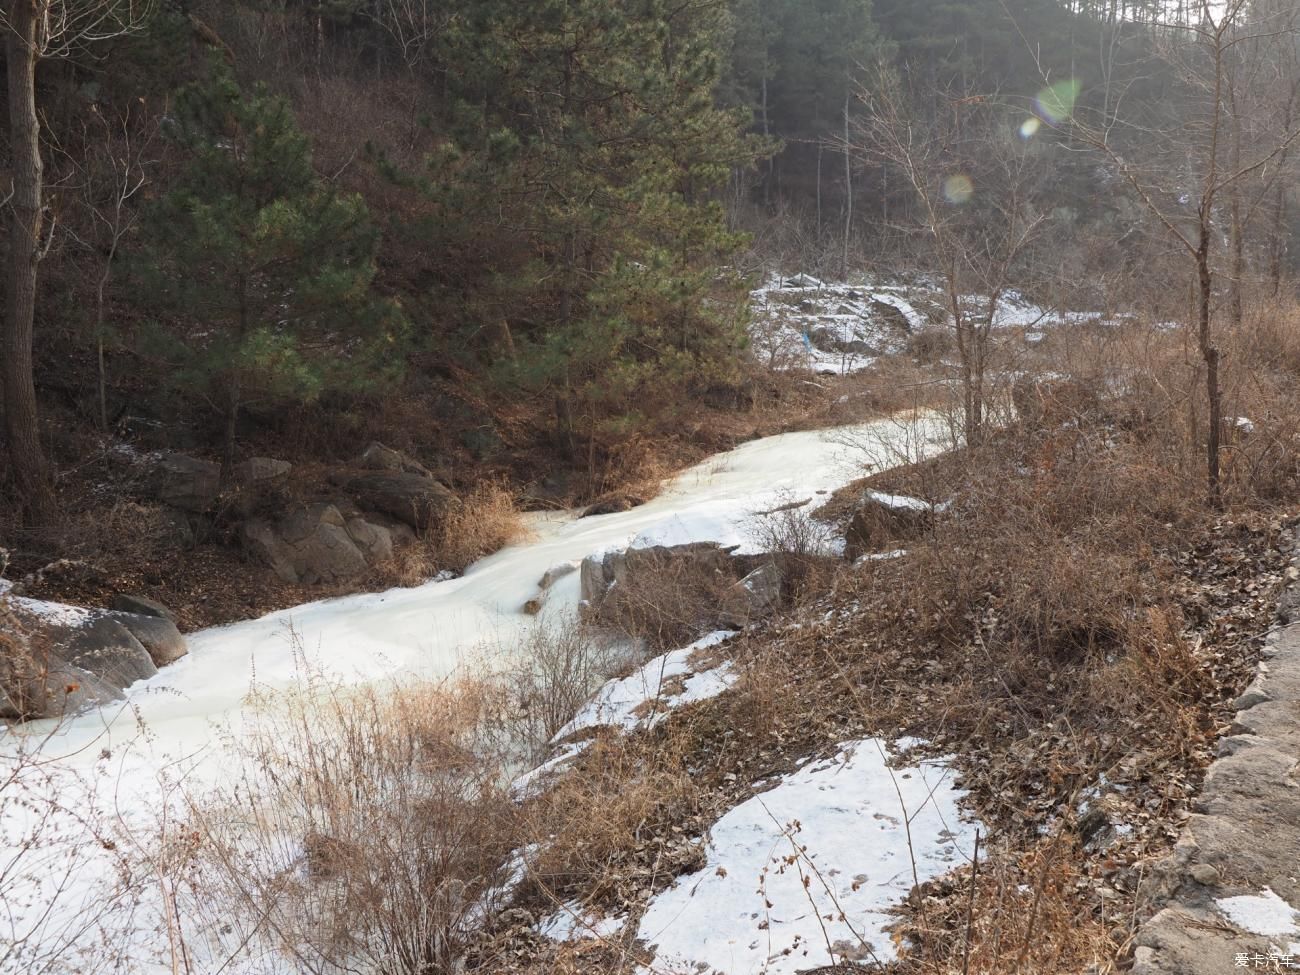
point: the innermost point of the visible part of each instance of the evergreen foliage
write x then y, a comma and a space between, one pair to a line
272, 265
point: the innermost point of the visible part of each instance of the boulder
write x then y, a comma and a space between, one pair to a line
310, 545
880, 519
415, 499
375, 541
157, 635
761, 589
186, 482
125, 602
377, 457
257, 469
102, 646
59, 659
622, 567
60, 689
891, 315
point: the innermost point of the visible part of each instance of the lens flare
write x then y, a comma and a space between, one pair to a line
1056, 103
1030, 128
958, 189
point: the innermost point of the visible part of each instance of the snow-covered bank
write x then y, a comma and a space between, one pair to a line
130, 762
803, 875
841, 327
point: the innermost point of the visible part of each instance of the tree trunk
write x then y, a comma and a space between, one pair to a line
26, 223
848, 187
233, 404
1210, 354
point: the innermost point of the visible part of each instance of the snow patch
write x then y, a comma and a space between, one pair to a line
1265, 913
572, 923
803, 875
622, 703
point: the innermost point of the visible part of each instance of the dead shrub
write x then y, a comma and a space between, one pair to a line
369, 829
667, 598
640, 787
484, 521
560, 664
125, 532
800, 544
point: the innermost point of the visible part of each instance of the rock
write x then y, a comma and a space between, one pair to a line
60, 690
415, 499
157, 635
186, 482
1204, 874
880, 519
891, 315
377, 457
310, 545
613, 505
64, 658
595, 579
142, 606
826, 339
761, 589
261, 469
623, 567
374, 541
555, 573
104, 648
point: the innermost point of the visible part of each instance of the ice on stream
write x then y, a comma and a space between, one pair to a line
134, 765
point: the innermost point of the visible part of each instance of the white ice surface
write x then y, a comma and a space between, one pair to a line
802, 875
127, 760
1264, 913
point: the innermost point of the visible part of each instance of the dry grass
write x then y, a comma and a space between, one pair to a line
371, 828
485, 521
479, 524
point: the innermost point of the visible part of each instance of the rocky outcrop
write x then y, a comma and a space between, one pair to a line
613, 504
416, 500
377, 457
186, 482
311, 545
142, 606
59, 658
881, 520
193, 485
323, 543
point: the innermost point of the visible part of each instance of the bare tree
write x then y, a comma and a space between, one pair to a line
413, 26
973, 191
114, 171
37, 30
1203, 52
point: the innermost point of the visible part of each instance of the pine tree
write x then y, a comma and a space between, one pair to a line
590, 133
273, 266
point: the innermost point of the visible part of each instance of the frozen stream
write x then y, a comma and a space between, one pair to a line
174, 719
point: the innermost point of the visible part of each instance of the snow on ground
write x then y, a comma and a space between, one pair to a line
803, 875
1265, 914
803, 323
57, 614
664, 683
572, 923
840, 327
